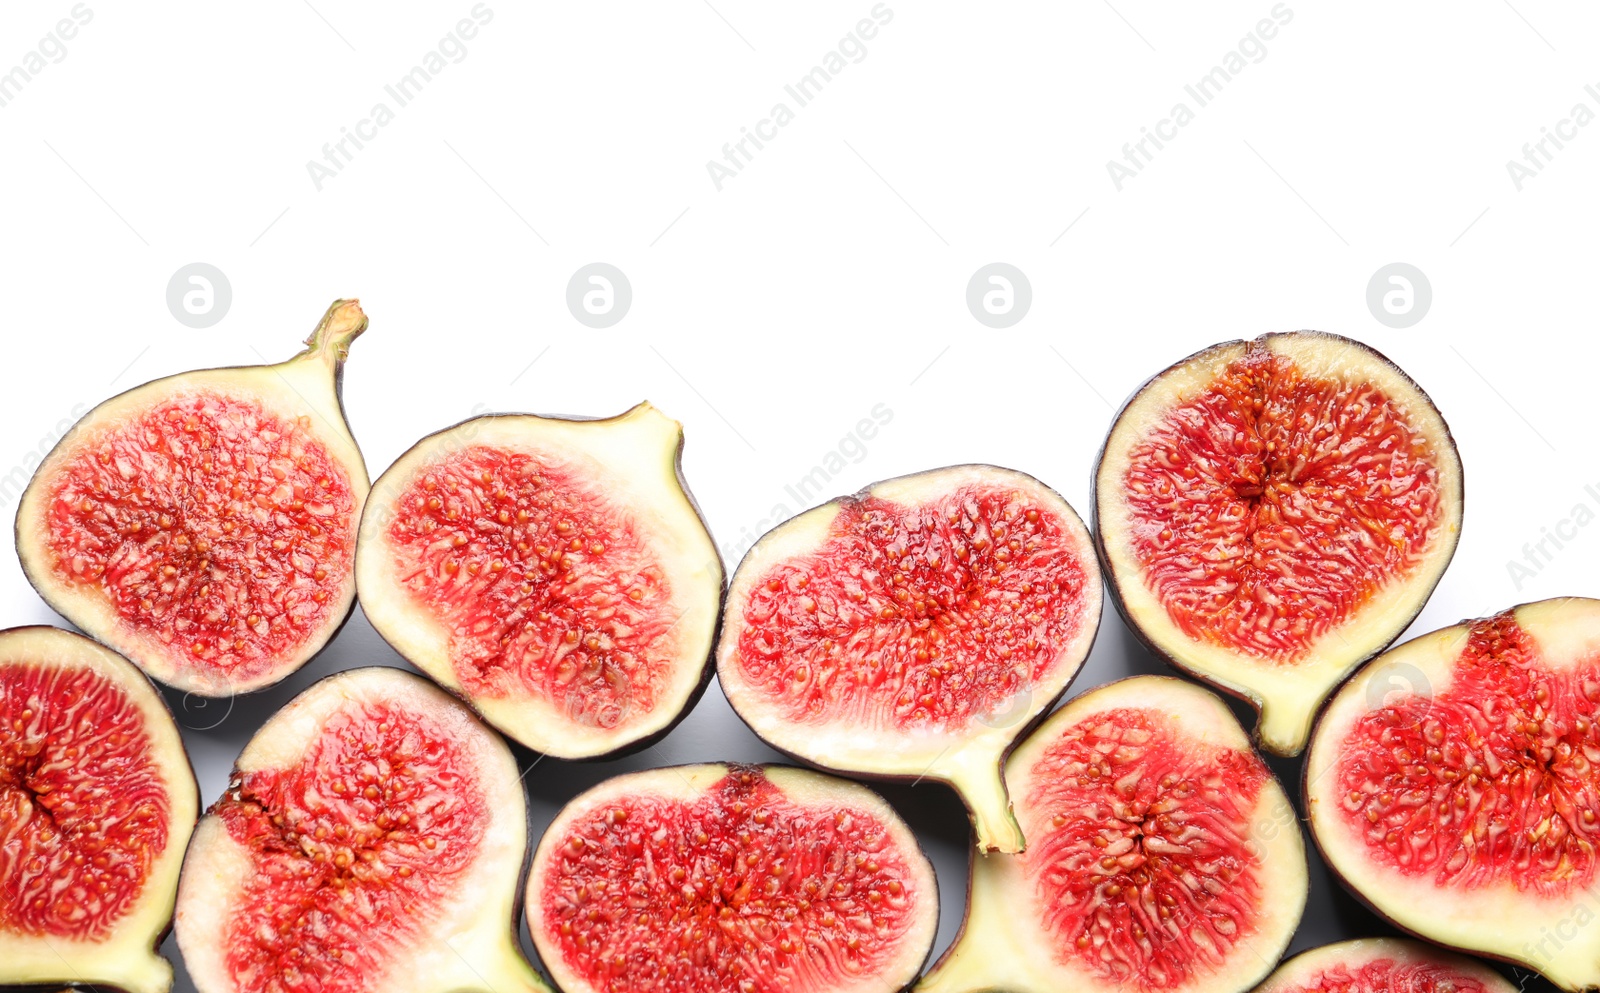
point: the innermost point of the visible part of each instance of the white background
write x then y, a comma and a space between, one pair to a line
829, 275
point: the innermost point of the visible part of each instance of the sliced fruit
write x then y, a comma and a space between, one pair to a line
914, 630
1383, 965
370, 840
1272, 513
555, 573
1162, 855
204, 525
1453, 785
731, 879
97, 801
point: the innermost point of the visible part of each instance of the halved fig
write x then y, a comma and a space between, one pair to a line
1162, 855
1383, 965
97, 801
204, 525
370, 840
1454, 785
914, 630
555, 573
731, 879
1272, 513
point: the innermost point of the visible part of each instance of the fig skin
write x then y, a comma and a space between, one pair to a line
129, 959
1266, 735
982, 791
309, 383
376, 591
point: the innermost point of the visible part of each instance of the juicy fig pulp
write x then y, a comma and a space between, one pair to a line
204, 525
1162, 855
914, 630
1383, 965
1453, 785
1272, 513
554, 573
97, 801
731, 879
370, 840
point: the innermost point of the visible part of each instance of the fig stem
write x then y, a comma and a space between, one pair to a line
993, 820
145, 972
1285, 723
342, 324
983, 956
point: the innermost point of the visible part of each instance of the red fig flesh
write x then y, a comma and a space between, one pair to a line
1272, 513
914, 630
731, 879
97, 802
370, 840
1453, 785
555, 573
1162, 855
1383, 965
204, 524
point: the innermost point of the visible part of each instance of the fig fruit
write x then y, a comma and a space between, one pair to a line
1383, 965
731, 879
555, 573
204, 525
1162, 855
370, 839
914, 630
1453, 785
1272, 513
97, 801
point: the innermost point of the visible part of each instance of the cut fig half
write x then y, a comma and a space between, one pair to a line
1454, 785
731, 879
97, 801
915, 630
1383, 965
554, 573
370, 841
1272, 513
204, 525
1162, 855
